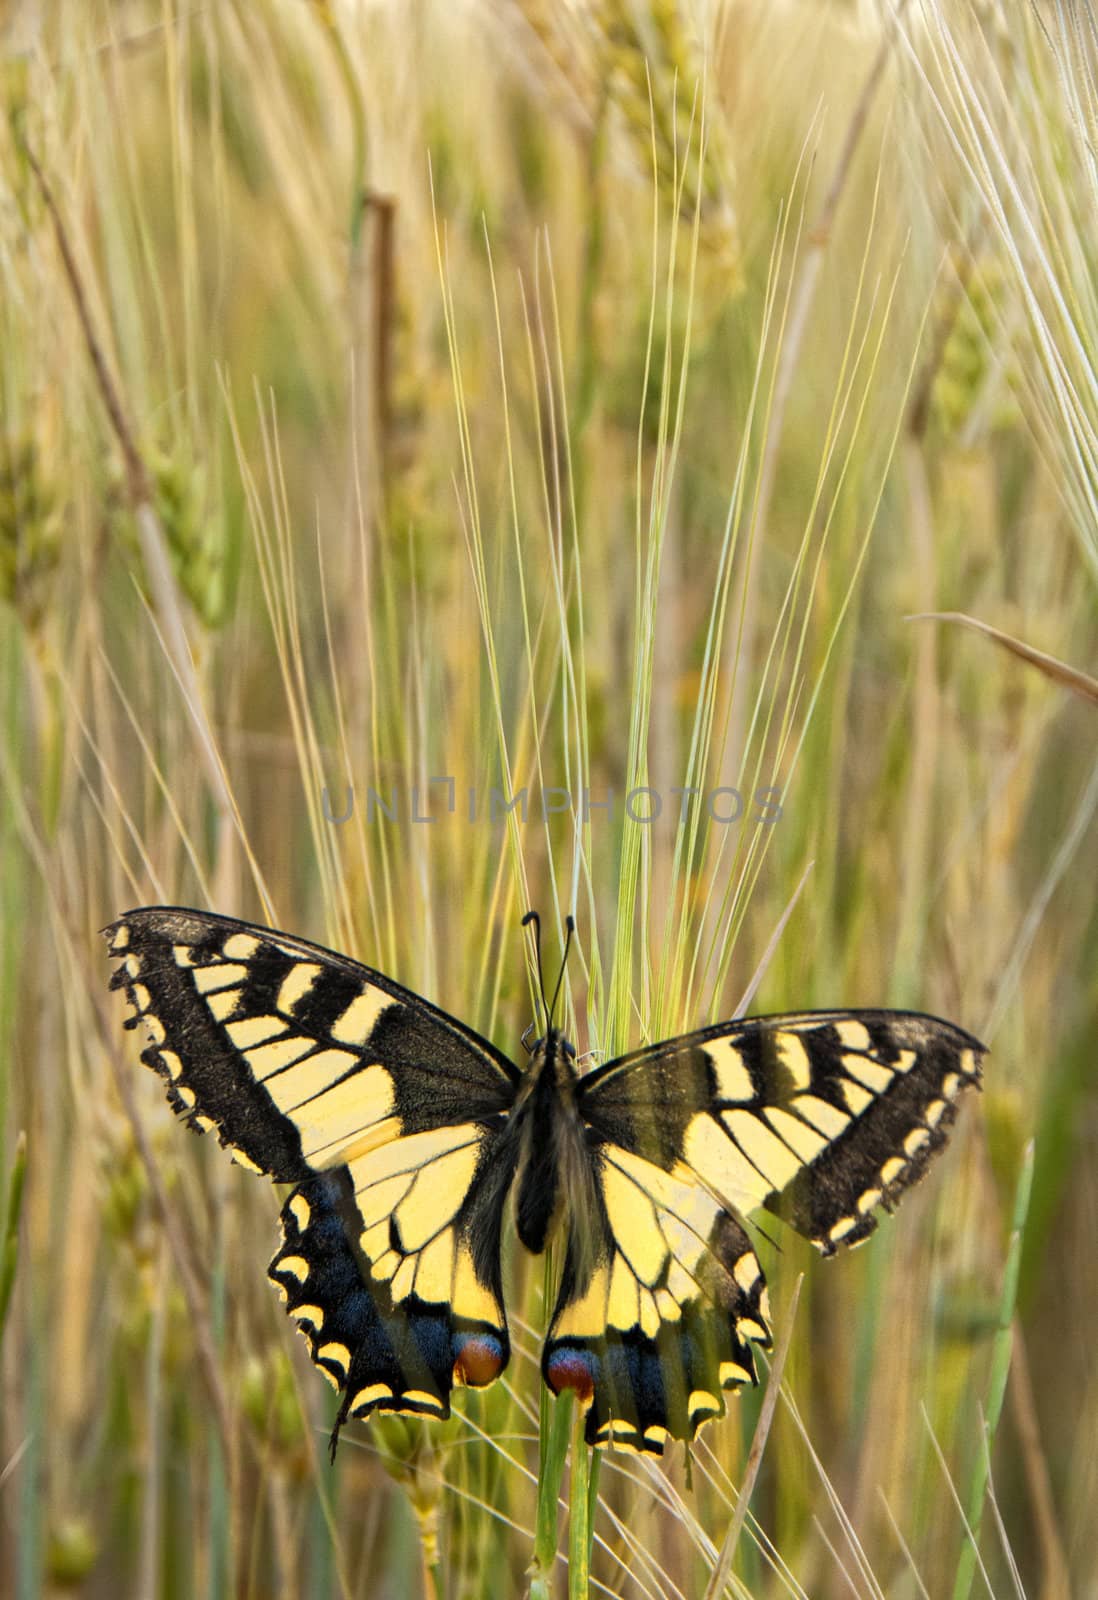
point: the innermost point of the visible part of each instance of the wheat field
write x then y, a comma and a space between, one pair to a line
572, 443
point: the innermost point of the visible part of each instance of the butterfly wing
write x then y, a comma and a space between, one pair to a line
659, 1296
384, 1112
820, 1116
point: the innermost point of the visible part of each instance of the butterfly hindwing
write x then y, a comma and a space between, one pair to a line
660, 1294
398, 1292
383, 1111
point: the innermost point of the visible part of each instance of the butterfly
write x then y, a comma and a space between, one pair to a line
403, 1134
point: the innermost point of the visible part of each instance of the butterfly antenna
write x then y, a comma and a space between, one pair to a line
532, 916
570, 924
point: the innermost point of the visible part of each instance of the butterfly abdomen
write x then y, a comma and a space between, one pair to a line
550, 1142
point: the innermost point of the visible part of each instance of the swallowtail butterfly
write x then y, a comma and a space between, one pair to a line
403, 1133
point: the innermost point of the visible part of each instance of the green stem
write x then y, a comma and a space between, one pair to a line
1000, 1371
556, 1417
9, 1250
580, 1518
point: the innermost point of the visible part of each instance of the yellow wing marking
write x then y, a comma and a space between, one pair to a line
121, 938
383, 1132
311, 1084
585, 1318
853, 1035
377, 1201
856, 1097
223, 1003
208, 980
404, 1279
733, 1079
328, 1109
623, 1303
338, 1354
408, 1154
297, 1266
263, 1059
385, 1265
356, 1024
731, 1373
807, 1142
794, 1057
296, 985
892, 1169
633, 1224
172, 1063
301, 1211
434, 1274
240, 946
435, 1195
371, 1395
717, 1162
747, 1271
420, 1397
822, 1115
868, 1072
468, 1296
182, 954
251, 1031
915, 1141
762, 1148
934, 1113
704, 1402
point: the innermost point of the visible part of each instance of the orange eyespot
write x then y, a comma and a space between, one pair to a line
479, 1360
572, 1369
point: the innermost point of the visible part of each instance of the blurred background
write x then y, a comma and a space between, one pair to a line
550, 397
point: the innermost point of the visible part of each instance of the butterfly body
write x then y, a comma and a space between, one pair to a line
410, 1143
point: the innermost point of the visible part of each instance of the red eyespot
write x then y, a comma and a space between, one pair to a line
572, 1369
479, 1359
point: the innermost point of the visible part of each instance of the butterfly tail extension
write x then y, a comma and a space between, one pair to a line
662, 1319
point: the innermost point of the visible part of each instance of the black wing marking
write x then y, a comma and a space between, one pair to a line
384, 1111
820, 1116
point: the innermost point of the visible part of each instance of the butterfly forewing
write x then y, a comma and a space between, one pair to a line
820, 1116
385, 1113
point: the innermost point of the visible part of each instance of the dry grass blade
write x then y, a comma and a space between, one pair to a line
1057, 671
723, 1570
